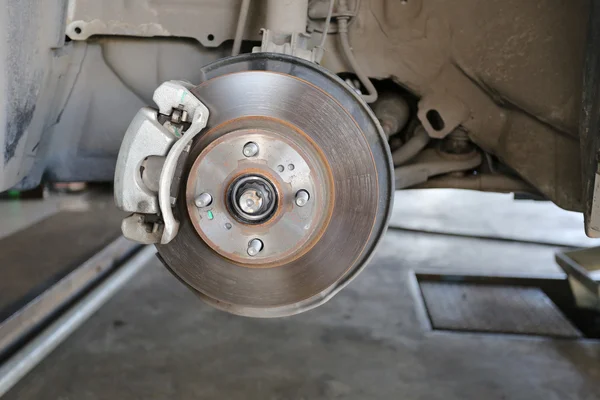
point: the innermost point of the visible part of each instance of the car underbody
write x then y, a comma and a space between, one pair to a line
258, 143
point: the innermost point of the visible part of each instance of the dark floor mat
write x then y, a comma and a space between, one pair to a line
494, 309
35, 258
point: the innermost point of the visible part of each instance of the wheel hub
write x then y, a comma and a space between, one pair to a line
252, 199
255, 197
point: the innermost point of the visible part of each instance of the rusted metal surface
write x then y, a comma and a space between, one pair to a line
361, 198
291, 229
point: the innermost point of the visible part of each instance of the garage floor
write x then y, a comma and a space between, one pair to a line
156, 340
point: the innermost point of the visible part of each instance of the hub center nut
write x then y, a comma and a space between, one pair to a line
252, 199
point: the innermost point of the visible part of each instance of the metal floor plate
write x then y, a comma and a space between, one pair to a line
494, 309
35, 258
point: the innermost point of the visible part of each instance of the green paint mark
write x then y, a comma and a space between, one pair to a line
210, 215
183, 94
14, 194
176, 132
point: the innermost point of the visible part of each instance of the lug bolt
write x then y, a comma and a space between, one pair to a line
250, 149
302, 197
204, 200
254, 247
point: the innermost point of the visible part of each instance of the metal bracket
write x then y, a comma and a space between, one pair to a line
145, 138
168, 96
583, 271
293, 44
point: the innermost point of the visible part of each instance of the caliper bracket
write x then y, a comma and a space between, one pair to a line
136, 188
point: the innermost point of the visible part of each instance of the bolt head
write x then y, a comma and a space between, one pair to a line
302, 197
176, 115
254, 247
204, 200
250, 149
251, 201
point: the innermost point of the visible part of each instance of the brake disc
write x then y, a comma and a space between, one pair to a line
286, 191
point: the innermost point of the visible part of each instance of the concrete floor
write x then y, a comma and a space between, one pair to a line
19, 214
156, 340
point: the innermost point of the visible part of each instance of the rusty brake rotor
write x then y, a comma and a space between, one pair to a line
285, 194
